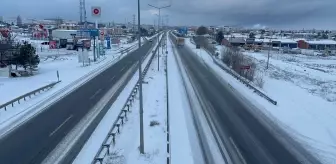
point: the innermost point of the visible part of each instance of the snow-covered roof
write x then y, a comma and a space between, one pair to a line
322, 42
284, 40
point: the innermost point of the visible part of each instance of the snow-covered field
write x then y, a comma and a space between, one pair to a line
71, 73
304, 87
312, 73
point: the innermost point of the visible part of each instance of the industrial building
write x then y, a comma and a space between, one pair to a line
317, 44
284, 43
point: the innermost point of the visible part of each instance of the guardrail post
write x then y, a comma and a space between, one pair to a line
122, 119
100, 160
108, 148
113, 137
125, 111
118, 130
132, 96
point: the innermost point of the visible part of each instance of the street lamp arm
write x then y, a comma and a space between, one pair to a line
159, 7
165, 6
153, 6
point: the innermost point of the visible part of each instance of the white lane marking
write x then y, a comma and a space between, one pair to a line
111, 79
95, 94
53, 132
122, 68
237, 150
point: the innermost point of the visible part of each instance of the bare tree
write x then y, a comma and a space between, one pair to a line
237, 60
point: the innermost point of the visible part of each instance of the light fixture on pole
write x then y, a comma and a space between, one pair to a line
159, 8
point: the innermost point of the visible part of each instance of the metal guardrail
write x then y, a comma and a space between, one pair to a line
122, 117
167, 106
12, 102
127, 49
240, 78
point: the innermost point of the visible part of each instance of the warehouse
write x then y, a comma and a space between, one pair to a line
317, 44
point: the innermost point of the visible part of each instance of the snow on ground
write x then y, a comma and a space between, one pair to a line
70, 70
312, 73
130, 131
304, 108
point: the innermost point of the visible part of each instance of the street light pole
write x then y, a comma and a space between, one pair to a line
142, 147
159, 8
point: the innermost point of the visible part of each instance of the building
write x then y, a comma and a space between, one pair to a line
322, 44
69, 26
19, 21
303, 44
237, 41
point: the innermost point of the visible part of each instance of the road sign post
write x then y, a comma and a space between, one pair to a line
57, 76
95, 12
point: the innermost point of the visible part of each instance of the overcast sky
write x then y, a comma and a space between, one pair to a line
248, 13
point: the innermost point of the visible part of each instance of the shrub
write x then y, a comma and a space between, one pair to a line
259, 81
154, 123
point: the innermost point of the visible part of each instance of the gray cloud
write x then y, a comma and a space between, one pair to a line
273, 13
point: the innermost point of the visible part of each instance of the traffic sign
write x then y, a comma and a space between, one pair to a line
96, 11
245, 67
101, 32
89, 32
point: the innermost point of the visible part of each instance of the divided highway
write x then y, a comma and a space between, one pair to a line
248, 138
34, 140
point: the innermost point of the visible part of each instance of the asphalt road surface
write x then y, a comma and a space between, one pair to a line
249, 139
34, 140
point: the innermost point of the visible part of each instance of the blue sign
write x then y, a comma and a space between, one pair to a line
183, 31
108, 42
90, 32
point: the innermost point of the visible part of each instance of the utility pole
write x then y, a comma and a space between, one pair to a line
133, 24
159, 8
268, 54
142, 144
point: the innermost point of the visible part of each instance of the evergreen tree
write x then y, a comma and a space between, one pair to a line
202, 30
219, 37
251, 35
27, 56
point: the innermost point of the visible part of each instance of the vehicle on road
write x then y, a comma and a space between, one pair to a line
180, 41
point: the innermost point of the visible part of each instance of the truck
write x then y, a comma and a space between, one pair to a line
180, 41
